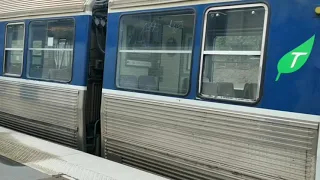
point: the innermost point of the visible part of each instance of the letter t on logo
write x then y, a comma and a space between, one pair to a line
297, 55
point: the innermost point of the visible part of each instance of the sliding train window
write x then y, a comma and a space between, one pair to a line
13, 59
50, 49
155, 52
232, 55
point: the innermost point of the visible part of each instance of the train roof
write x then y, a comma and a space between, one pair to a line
26, 8
129, 5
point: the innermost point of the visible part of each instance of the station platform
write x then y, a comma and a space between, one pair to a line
23, 157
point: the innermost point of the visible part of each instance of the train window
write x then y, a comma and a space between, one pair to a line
155, 51
232, 55
50, 55
13, 61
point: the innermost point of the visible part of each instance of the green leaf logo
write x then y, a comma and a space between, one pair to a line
296, 58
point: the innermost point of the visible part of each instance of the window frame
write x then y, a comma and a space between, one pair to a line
14, 49
118, 49
236, 52
50, 49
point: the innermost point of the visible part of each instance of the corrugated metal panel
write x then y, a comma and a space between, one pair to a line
190, 142
18, 8
46, 131
48, 112
136, 3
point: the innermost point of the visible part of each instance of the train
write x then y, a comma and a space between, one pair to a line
186, 89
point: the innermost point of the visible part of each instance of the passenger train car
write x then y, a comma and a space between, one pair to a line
213, 89
188, 89
50, 70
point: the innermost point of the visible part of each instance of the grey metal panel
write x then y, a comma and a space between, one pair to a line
49, 112
137, 3
196, 142
18, 8
46, 131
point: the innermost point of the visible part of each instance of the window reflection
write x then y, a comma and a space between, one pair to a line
155, 52
232, 55
51, 49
